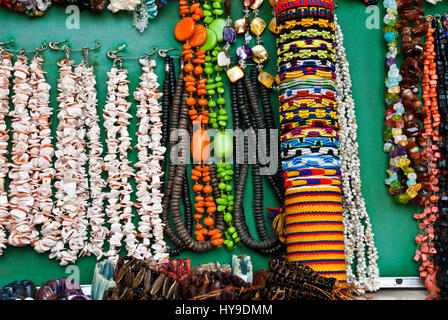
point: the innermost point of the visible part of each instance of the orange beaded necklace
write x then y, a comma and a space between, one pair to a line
194, 35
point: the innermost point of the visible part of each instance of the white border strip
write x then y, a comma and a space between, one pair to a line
402, 283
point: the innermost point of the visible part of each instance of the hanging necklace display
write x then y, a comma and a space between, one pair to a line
95, 5
29, 8
95, 211
223, 62
403, 131
194, 36
218, 118
150, 176
172, 95
359, 240
65, 233
438, 281
312, 217
5, 85
426, 239
21, 228
41, 149
245, 97
117, 165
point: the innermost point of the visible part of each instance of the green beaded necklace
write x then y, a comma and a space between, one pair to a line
218, 117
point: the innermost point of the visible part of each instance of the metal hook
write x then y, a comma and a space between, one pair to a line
67, 52
112, 54
149, 54
4, 43
54, 45
85, 55
163, 52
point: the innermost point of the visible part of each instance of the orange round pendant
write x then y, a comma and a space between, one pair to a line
184, 29
199, 36
200, 145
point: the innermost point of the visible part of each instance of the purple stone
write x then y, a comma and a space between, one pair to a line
229, 34
244, 52
390, 61
394, 169
398, 151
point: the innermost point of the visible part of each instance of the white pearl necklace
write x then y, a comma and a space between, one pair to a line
5, 76
150, 176
119, 198
359, 242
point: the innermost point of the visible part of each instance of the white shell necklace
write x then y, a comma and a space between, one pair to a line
116, 121
150, 176
5, 76
359, 240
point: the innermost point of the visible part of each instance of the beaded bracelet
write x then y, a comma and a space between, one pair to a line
322, 123
309, 91
316, 151
312, 182
285, 76
309, 114
310, 132
309, 22
283, 5
312, 172
325, 92
299, 28
307, 82
304, 12
307, 103
296, 94
305, 44
323, 162
309, 142
307, 54
299, 64
306, 33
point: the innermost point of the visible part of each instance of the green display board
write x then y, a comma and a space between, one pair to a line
393, 224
